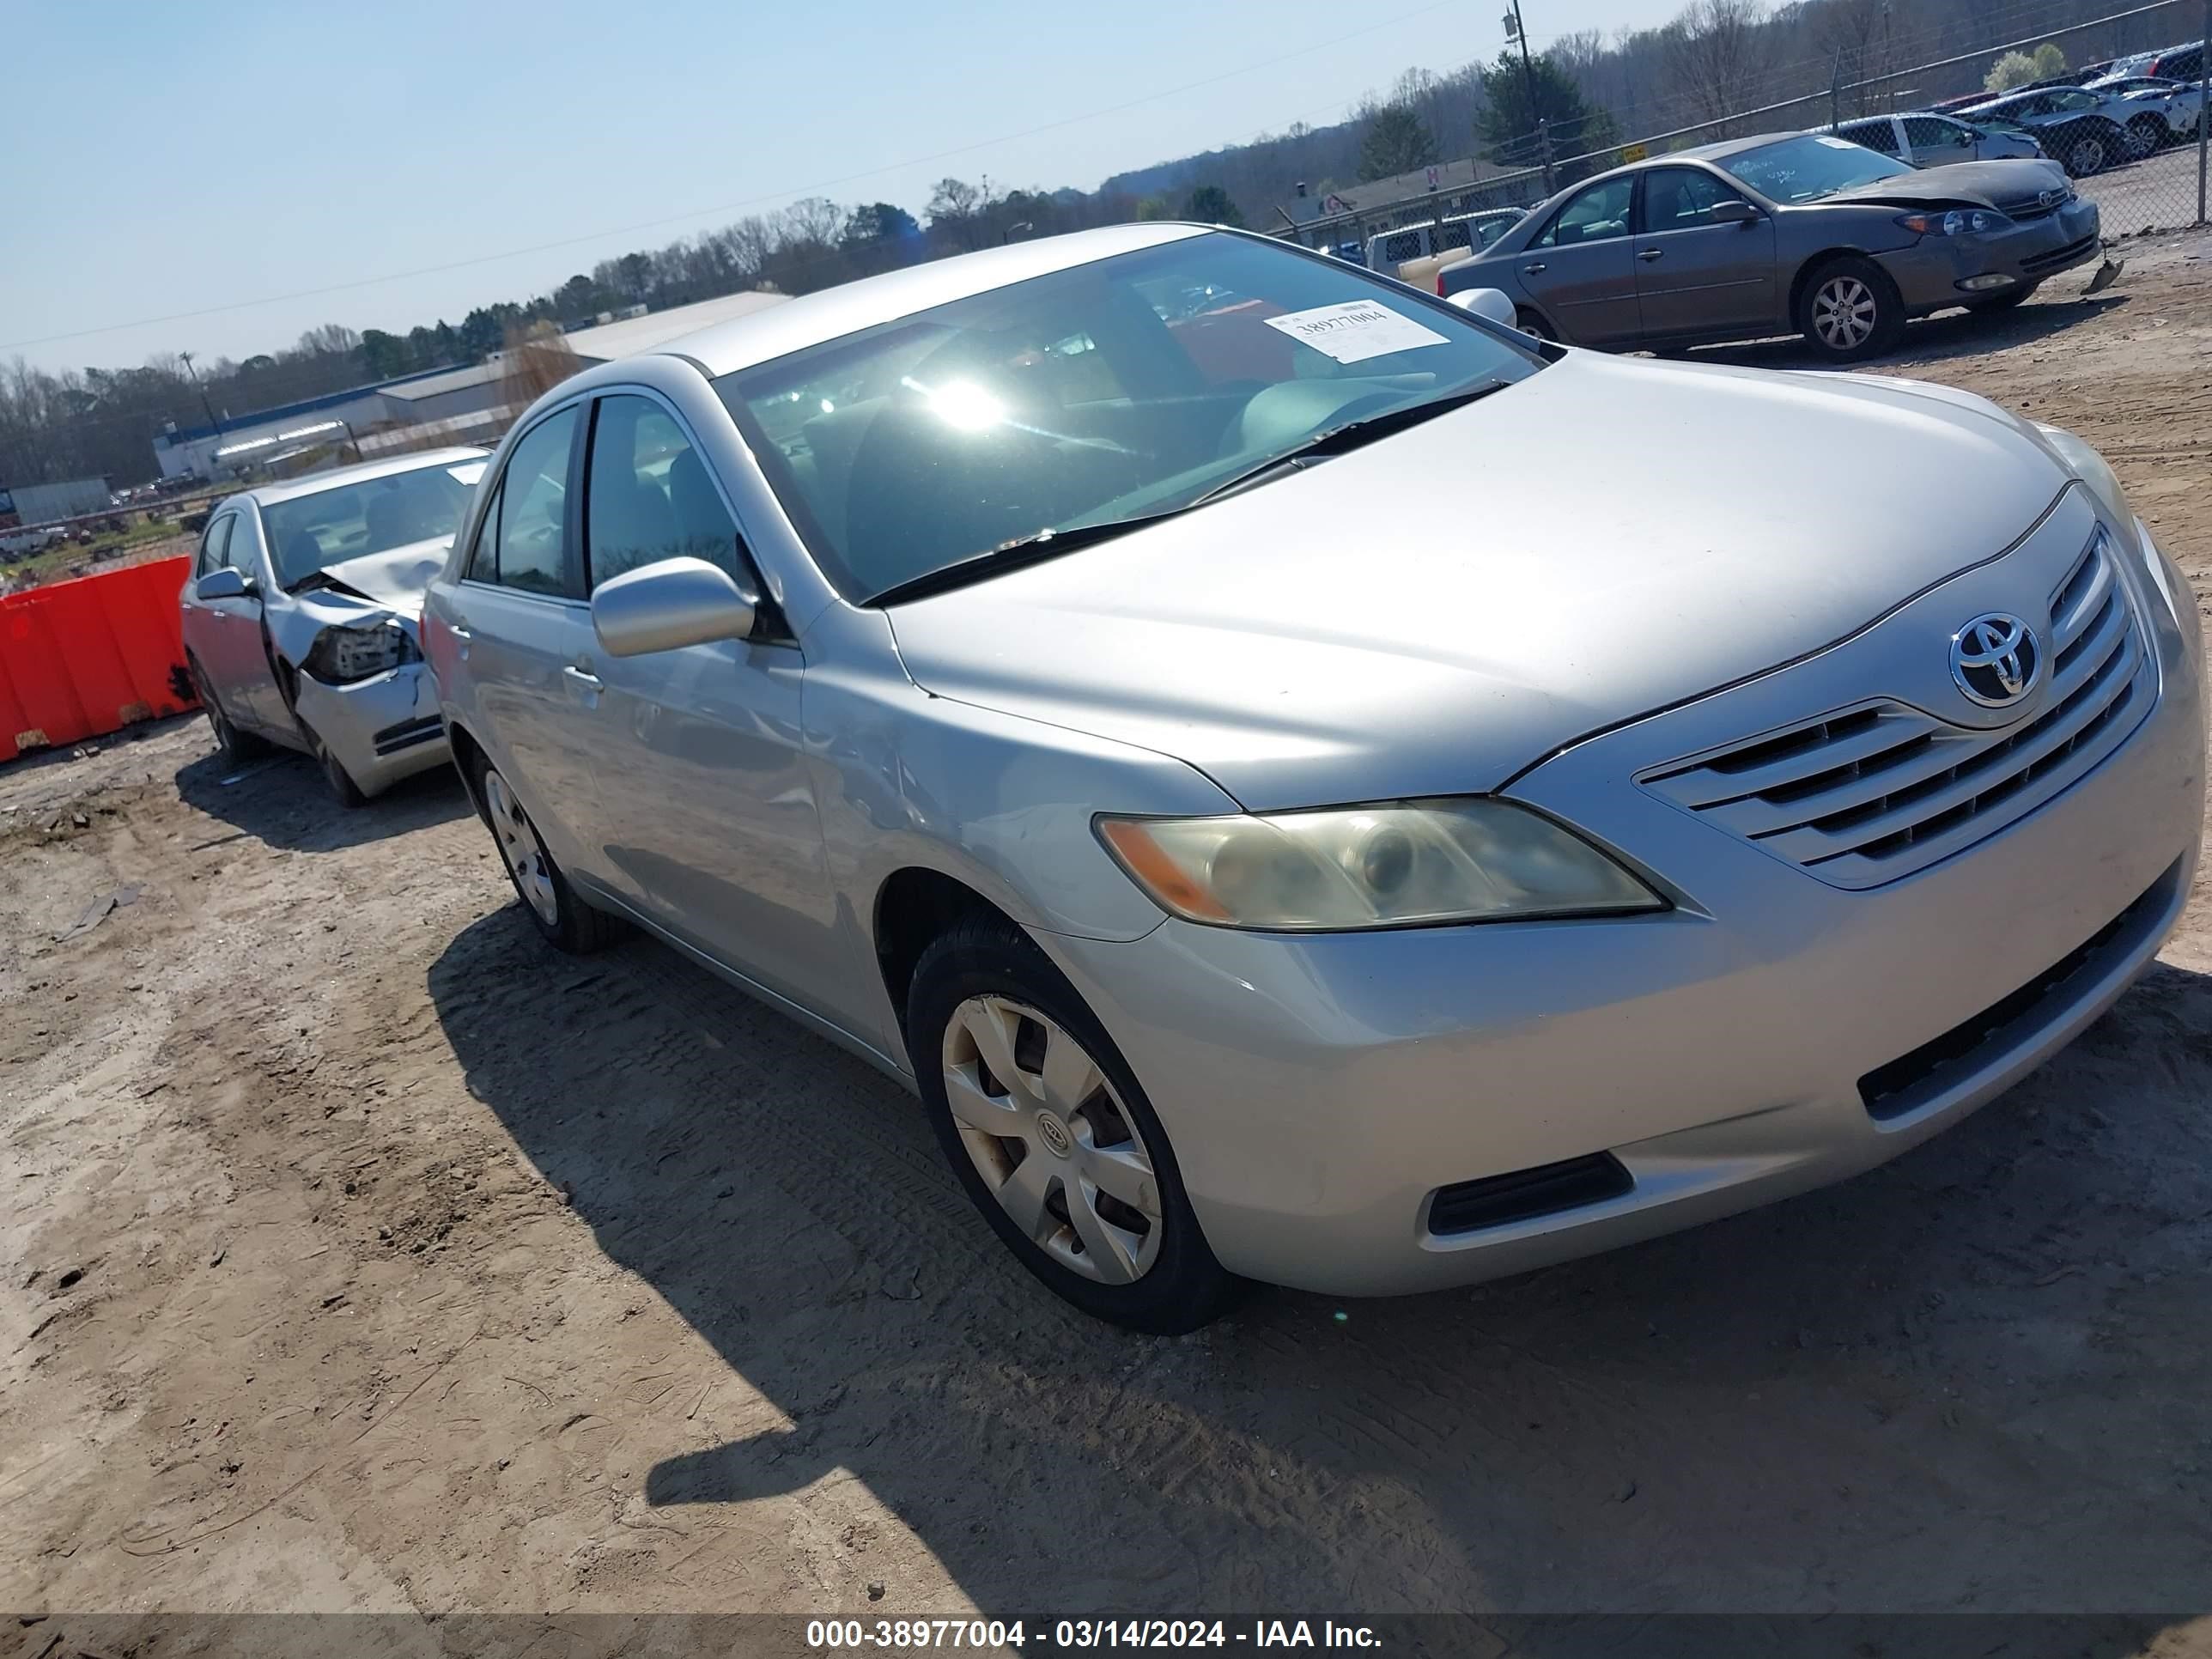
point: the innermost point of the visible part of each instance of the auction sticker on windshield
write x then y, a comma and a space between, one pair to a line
1356, 331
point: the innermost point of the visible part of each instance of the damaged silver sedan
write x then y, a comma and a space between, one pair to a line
301, 616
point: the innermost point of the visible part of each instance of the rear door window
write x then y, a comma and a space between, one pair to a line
1875, 135
531, 547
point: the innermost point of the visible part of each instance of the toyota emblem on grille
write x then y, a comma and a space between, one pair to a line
2051, 198
1995, 659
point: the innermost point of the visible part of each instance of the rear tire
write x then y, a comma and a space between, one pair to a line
1052, 1142
2146, 135
1848, 310
563, 920
1530, 323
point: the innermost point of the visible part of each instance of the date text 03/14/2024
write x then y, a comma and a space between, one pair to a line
919, 1634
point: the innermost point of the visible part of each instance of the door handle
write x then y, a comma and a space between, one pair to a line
1651, 253
1531, 270
583, 679
460, 632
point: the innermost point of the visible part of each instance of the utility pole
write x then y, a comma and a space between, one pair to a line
202, 390
1515, 31
2204, 108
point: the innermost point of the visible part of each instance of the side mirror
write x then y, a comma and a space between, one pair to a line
1493, 303
668, 605
225, 584
1734, 213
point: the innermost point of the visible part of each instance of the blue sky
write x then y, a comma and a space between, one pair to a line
193, 157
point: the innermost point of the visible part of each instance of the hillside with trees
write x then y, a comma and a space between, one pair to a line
1581, 98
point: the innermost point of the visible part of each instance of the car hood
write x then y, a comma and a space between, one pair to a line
1432, 613
360, 593
1978, 184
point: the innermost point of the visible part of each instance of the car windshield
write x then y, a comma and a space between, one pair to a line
1809, 167
1115, 391
309, 533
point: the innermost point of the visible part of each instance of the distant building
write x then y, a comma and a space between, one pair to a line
438, 405
1359, 210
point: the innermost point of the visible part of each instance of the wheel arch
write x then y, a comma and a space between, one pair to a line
914, 905
1813, 263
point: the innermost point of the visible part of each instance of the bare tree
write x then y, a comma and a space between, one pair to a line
1717, 56
1847, 31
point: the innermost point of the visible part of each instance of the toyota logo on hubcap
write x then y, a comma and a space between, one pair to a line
1996, 659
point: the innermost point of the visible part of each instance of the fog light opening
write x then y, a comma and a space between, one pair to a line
1990, 279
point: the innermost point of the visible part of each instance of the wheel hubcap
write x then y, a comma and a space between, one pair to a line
519, 846
1844, 312
2088, 156
1052, 1139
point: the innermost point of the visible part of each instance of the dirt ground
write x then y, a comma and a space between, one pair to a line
360, 1254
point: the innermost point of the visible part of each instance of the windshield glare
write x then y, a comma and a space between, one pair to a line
1117, 389
311, 532
1807, 167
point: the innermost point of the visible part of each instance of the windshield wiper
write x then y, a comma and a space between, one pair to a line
1051, 543
1012, 556
1350, 435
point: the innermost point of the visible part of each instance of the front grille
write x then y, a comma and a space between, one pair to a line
2036, 264
1868, 794
1909, 1081
2031, 208
1523, 1194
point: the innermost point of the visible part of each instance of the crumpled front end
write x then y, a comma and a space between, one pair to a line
356, 676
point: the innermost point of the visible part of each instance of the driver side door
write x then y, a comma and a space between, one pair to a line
1580, 269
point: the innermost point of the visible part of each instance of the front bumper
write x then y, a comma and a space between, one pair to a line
1930, 273
382, 729
1319, 1090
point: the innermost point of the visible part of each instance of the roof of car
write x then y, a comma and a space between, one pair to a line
314, 483
845, 309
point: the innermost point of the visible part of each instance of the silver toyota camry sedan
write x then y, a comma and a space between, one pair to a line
299, 617
1034, 680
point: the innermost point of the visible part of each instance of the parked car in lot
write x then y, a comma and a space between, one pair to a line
1415, 253
1013, 714
2084, 132
1798, 231
1928, 138
2177, 104
302, 616
2182, 63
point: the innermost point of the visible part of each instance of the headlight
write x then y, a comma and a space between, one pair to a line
2091, 468
1371, 866
1952, 223
342, 655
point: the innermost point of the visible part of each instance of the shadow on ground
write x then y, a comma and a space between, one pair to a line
1972, 1381
282, 799
1933, 339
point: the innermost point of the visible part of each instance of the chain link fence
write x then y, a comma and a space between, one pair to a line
2140, 153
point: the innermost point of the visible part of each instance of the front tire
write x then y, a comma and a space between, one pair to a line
2086, 151
237, 747
343, 788
1850, 310
1049, 1130
563, 920
2146, 133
